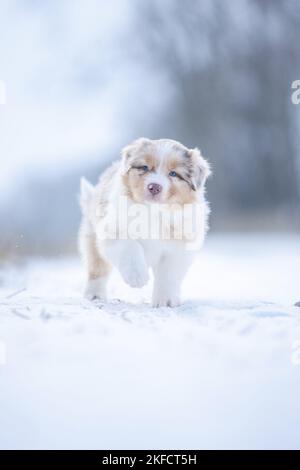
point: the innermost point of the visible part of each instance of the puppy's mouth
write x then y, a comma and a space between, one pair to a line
153, 197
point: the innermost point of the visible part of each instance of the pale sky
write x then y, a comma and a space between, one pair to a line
69, 84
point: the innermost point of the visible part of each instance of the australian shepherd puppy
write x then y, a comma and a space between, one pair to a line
148, 211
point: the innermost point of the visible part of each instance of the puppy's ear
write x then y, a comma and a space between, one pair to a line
130, 151
200, 169
126, 155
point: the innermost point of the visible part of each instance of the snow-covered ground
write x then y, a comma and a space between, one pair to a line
221, 371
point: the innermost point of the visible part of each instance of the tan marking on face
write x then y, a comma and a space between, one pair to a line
180, 191
134, 178
134, 185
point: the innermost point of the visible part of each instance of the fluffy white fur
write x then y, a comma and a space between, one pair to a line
168, 259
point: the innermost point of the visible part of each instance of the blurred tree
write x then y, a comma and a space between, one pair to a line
231, 64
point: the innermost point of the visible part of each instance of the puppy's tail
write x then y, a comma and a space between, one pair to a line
86, 193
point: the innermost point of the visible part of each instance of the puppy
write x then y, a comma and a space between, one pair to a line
134, 218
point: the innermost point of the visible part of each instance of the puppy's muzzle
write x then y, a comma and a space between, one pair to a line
154, 188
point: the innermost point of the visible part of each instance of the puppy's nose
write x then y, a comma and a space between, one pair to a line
154, 188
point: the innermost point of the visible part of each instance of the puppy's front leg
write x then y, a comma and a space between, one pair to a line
168, 276
128, 257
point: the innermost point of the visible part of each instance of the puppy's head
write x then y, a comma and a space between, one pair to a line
163, 171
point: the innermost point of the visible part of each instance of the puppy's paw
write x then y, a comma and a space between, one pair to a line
165, 301
95, 290
134, 272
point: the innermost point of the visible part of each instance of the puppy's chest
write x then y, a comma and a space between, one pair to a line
155, 249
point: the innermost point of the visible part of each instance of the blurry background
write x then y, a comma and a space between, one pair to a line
84, 78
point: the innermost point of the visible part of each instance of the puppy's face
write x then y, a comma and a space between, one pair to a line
163, 171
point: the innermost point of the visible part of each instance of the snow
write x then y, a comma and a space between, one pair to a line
218, 372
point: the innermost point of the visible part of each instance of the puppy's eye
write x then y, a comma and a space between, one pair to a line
143, 168
173, 173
